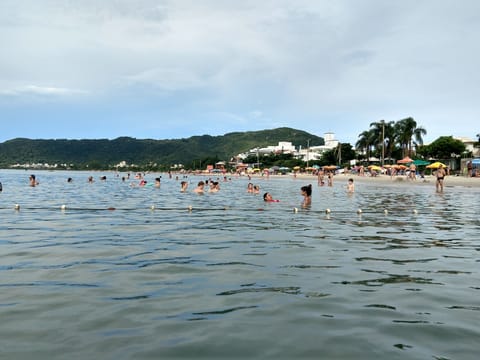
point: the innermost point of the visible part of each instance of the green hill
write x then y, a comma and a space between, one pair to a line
105, 153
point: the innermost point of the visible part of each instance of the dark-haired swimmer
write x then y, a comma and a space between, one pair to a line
350, 186
267, 197
33, 181
214, 186
200, 188
306, 191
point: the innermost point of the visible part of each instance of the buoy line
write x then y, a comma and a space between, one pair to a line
191, 208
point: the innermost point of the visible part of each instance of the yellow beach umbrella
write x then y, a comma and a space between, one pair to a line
436, 165
375, 168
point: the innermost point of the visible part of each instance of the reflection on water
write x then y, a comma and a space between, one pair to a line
146, 273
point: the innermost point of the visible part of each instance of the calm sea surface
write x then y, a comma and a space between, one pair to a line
235, 277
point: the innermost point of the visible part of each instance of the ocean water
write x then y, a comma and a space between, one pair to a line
224, 275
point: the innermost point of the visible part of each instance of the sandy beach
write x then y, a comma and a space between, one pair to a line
386, 180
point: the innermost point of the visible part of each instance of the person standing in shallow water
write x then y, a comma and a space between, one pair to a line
350, 186
33, 181
306, 191
440, 175
200, 189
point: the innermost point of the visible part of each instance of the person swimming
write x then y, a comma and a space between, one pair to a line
200, 188
267, 197
350, 186
306, 191
33, 181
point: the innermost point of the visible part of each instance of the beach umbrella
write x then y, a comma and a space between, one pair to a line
405, 160
436, 165
375, 168
330, 167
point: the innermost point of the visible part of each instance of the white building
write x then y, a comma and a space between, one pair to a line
315, 152
469, 144
284, 147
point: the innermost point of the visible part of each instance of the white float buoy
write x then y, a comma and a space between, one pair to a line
327, 211
415, 211
63, 207
17, 207
152, 207
359, 211
385, 211
295, 210
190, 208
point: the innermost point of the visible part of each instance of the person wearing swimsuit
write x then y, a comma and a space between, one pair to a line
440, 176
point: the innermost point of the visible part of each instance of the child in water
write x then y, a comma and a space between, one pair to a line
350, 186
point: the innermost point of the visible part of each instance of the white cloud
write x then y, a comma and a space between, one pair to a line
296, 63
40, 91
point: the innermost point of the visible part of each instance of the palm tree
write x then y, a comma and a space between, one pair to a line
408, 134
384, 136
365, 142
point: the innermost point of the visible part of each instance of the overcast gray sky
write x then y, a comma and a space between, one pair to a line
174, 69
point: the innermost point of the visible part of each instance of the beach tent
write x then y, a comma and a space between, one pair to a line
419, 162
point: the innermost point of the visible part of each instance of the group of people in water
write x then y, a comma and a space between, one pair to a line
212, 186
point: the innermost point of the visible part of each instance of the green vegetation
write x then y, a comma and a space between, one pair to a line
391, 139
194, 152
445, 147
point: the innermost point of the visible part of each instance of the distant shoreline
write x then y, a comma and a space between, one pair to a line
429, 180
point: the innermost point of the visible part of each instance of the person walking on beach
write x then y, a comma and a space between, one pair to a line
413, 172
440, 174
469, 169
306, 192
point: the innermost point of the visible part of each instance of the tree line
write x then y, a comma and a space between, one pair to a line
388, 140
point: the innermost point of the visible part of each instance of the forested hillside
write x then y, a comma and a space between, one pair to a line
105, 153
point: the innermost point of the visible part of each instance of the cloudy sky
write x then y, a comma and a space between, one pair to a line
177, 68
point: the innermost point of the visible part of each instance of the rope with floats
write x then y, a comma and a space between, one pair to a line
190, 208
